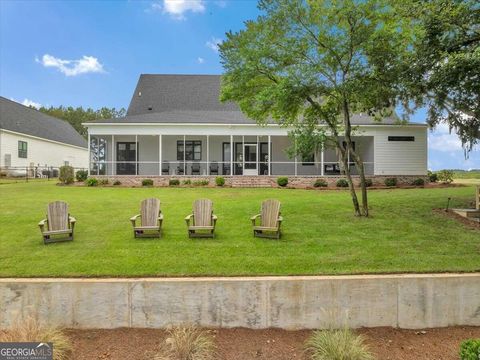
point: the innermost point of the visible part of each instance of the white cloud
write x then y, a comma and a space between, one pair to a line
200, 60
177, 8
213, 44
28, 102
221, 3
440, 139
85, 65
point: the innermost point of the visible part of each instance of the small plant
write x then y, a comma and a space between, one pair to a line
391, 182
342, 183
187, 182
200, 183
91, 182
282, 181
320, 183
368, 182
29, 330
337, 344
445, 176
219, 181
432, 177
103, 182
470, 349
418, 182
147, 182
173, 182
187, 343
117, 182
66, 175
81, 175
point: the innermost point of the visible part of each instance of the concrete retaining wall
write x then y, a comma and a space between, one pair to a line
406, 301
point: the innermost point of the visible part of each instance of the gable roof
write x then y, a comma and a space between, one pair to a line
22, 119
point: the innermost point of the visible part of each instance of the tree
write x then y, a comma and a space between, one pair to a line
77, 116
310, 64
443, 71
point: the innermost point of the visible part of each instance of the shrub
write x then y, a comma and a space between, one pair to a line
91, 182
320, 183
117, 182
391, 182
103, 182
147, 182
418, 182
66, 174
174, 182
200, 183
470, 349
187, 182
445, 176
219, 181
81, 175
187, 343
342, 183
282, 181
368, 182
341, 344
432, 177
29, 330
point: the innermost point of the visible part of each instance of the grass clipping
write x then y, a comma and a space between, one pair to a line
337, 344
30, 330
187, 343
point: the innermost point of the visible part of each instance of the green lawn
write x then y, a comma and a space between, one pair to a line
321, 236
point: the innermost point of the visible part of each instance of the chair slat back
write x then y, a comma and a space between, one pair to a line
270, 212
149, 209
57, 215
202, 212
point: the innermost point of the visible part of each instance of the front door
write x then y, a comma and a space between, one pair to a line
126, 158
250, 160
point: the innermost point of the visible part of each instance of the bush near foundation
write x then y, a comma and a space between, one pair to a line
200, 183
342, 183
173, 182
66, 175
282, 181
320, 183
432, 177
147, 182
391, 182
368, 182
470, 349
91, 182
219, 181
418, 182
117, 182
81, 175
445, 176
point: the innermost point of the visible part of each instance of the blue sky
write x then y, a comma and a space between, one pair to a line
90, 53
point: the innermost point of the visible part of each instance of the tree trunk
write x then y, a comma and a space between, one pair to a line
346, 169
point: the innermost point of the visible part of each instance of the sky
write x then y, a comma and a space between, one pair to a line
91, 53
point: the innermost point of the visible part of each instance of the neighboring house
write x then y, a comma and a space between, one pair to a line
33, 140
176, 125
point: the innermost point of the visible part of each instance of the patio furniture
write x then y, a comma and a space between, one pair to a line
201, 223
195, 169
213, 168
180, 169
165, 168
151, 220
270, 220
59, 223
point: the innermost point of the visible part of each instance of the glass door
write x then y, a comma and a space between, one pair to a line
250, 159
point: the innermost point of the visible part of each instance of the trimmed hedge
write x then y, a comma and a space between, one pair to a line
390, 182
174, 182
342, 183
81, 175
470, 349
147, 182
320, 183
91, 182
219, 181
282, 181
368, 182
418, 182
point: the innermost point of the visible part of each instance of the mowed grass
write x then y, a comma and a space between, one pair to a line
320, 233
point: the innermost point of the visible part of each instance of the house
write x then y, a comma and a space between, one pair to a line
31, 141
176, 126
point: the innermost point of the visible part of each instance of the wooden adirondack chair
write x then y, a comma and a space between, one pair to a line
151, 220
270, 220
59, 223
201, 223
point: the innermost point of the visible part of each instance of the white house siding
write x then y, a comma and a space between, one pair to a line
40, 152
401, 157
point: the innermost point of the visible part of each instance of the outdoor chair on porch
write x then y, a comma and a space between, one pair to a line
151, 220
165, 168
201, 223
195, 168
59, 223
180, 169
270, 220
214, 168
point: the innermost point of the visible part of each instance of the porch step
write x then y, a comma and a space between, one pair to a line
252, 181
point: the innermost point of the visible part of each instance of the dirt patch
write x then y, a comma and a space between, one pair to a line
272, 344
451, 215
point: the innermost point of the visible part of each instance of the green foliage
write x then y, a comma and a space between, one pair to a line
368, 182
219, 181
66, 175
282, 181
445, 176
418, 182
81, 175
147, 182
117, 182
470, 349
79, 115
173, 182
200, 183
320, 183
337, 344
186, 182
342, 183
391, 182
103, 182
91, 182
432, 177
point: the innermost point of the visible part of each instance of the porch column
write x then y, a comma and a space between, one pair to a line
89, 155
112, 164
160, 154
184, 155
322, 170
231, 154
295, 140
243, 154
269, 155
208, 155
136, 154
258, 157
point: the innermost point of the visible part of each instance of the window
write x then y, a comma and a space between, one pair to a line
193, 150
22, 149
401, 138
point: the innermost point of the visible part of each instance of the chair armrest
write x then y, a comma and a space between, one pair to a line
188, 218
254, 218
42, 224
72, 219
280, 219
214, 219
133, 219
160, 216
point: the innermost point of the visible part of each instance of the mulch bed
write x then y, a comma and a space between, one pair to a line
451, 215
272, 344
